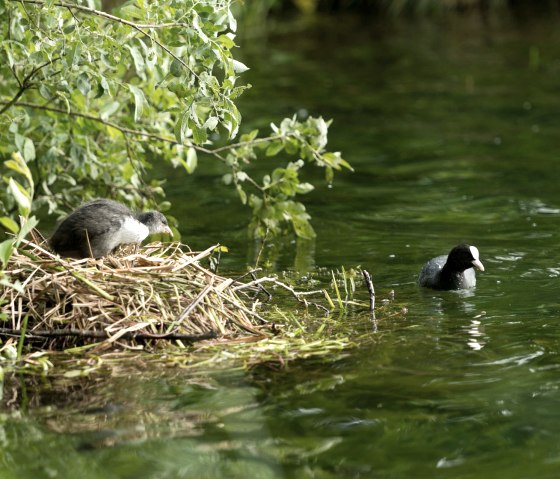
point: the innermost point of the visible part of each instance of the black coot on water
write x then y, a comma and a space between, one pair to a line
452, 271
96, 228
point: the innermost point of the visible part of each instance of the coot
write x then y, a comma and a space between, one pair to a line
453, 271
96, 228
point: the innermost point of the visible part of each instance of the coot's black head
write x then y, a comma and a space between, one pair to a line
463, 257
155, 221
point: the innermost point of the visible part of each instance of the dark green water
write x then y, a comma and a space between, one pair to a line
452, 127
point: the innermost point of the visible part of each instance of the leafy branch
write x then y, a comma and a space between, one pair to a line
86, 92
103, 14
24, 84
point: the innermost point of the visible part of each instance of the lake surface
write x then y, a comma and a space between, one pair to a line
452, 127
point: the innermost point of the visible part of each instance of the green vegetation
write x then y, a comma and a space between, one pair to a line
164, 300
90, 100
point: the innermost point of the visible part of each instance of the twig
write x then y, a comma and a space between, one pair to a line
369, 284
299, 295
25, 84
194, 304
261, 288
261, 249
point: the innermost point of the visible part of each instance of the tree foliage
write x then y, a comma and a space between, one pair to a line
90, 100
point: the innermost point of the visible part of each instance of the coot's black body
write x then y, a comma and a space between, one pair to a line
452, 271
96, 228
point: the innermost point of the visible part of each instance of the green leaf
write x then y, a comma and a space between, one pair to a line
274, 148
201, 34
28, 150
249, 136
108, 109
75, 53
17, 164
176, 68
329, 174
21, 196
26, 228
83, 84
241, 193
304, 188
45, 91
68, 29
292, 146
226, 41
241, 176
239, 67
180, 127
192, 160
211, 123
139, 63
9, 54
9, 224
139, 101
302, 227
199, 135
6, 249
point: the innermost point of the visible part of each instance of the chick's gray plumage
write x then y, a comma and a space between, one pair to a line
452, 271
96, 228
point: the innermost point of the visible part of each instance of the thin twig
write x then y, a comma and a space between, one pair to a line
299, 295
369, 284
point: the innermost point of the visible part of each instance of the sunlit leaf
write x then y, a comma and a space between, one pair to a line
21, 196
191, 161
241, 193
211, 123
28, 150
6, 248
139, 101
303, 188
239, 67
139, 63
226, 41
108, 109
9, 224
232, 21
74, 54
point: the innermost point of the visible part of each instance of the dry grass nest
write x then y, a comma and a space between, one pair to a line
161, 293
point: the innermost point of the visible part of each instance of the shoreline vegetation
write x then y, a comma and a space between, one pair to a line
162, 299
148, 83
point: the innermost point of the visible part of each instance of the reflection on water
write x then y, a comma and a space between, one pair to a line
453, 135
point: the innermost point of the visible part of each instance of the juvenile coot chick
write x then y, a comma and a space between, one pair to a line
454, 271
96, 228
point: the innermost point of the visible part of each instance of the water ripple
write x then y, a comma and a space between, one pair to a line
514, 360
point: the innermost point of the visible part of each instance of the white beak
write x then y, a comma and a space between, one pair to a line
476, 263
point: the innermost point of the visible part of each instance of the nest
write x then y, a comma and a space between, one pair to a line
160, 293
